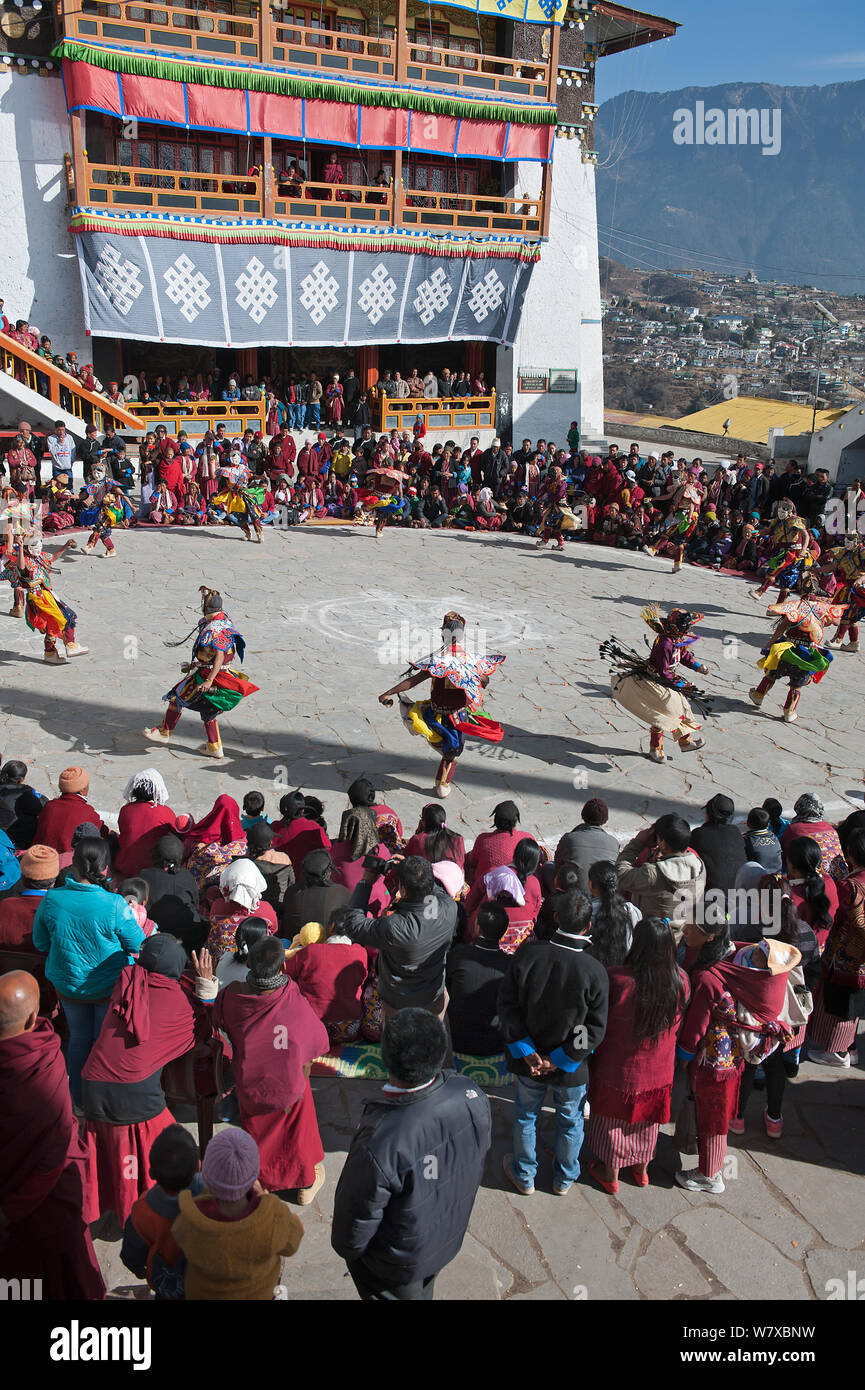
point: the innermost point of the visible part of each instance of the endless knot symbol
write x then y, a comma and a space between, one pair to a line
119, 280
257, 290
432, 295
187, 287
486, 296
377, 293
319, 292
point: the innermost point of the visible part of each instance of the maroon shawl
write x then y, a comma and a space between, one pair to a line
150, 1022
274, 1036
37, 1130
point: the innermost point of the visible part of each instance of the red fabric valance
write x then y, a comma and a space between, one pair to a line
198, 107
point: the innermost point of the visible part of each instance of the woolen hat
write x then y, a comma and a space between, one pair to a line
231, 1165
74, 779
40, 862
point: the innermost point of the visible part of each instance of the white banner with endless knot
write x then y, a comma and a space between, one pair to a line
187, 287
257, 288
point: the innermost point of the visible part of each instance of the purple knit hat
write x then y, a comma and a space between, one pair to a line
231, 1165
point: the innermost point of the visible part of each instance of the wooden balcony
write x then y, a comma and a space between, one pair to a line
266, 37
451, 413
62, 389
238, 196
197, 417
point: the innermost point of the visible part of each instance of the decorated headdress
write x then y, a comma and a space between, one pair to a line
677, 623
211, 600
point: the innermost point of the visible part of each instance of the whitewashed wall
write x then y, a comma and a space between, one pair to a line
38, 268
561, 319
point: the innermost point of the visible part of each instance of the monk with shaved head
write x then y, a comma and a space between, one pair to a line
44, 1201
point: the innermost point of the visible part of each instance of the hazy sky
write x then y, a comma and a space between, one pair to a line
788, 42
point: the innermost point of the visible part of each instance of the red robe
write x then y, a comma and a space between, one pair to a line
276, 1105
43, 1172
140, 825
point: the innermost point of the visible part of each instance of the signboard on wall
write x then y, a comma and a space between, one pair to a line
530, 382
563, 379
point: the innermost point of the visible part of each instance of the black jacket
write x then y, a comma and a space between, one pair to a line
474, 977
407, 1188
556, 996
412, 941
19, 811
762, 847
173, 904
722, 850
317, 904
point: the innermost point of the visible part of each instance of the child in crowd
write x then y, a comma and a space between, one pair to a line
234, 1233
761, 843
253, 810
149, 1249
137, 893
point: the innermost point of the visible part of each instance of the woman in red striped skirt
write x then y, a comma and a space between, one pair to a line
631, 1070
840, 998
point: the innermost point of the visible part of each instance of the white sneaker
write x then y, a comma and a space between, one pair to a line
76, 649
156, 735
539, 545
755, 696
695, 1181
828, 1059
790, 716
851, 647
54, 658
656, 756
756, 593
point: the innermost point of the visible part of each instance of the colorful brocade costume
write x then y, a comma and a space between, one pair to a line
226, 685
236, 499
43, 611
650, 687
451, 711
796, 651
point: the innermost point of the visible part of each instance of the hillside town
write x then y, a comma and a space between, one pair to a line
675, 343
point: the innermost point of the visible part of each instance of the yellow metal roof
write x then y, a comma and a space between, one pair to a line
752, 417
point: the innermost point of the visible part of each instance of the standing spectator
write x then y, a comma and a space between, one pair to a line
553, 1012
43, 1162
89, 934
430, 386
234, 1233
61, 447
264, 1017
631, 1070
406, 1192
719, 844
412, 939
839, 1002
474, 975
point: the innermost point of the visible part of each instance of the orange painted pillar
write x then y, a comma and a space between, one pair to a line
367, 367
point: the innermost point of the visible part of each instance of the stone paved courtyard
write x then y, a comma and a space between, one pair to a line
330, 617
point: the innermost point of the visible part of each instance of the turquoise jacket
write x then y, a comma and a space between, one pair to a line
88, 935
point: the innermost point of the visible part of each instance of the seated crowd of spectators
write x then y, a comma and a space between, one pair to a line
132, 948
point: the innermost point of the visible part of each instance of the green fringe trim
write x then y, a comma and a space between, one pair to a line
286, 84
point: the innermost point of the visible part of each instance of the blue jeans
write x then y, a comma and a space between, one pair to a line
314, 409
85, 1021
570, 1102
296, 416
